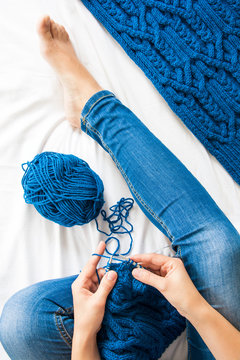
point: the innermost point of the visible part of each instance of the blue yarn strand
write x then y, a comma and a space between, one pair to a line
120, 213
98, 277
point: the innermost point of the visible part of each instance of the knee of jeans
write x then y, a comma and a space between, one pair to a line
225, 244
219, 254
21, 322
213, 244
211, 257
219, 266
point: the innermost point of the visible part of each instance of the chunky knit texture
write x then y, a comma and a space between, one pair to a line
189, 49
139, 323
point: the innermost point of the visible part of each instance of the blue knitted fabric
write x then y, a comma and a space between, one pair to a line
139, 323
189, 49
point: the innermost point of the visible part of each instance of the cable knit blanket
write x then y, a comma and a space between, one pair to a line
189, 49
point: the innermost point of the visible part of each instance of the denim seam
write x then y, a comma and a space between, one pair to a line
126, 178
102, 97
189, 349
59, 323
180, 251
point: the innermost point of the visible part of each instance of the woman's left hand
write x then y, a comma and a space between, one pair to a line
89, 297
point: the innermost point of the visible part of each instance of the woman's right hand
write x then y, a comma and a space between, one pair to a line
169, 276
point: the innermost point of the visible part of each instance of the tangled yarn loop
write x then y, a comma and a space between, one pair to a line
63, 188
139, 323
116, 223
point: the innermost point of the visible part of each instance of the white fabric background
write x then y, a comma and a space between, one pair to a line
32, 120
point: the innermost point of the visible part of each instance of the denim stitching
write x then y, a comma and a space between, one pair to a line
59, 323
127, 179
177, 253
189, 348
130, 184
180, 251
102, 97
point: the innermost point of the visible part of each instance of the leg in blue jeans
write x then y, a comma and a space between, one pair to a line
174, 201
37, 322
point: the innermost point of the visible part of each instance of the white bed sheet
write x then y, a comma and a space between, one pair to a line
32, 120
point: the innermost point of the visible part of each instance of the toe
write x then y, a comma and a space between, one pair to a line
43, 28
64, 33
60, 32
54, 29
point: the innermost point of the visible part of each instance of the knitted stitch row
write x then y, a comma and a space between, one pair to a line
139, 323
189, 49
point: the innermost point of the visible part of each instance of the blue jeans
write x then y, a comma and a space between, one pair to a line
37, 322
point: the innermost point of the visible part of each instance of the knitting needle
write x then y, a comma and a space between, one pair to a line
128, 259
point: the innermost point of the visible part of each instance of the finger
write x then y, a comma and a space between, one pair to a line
79, 285
152, 260
87, 283
147, 257
93, 288
147, 277
96, 278
106, 285
101, 273
142, 258
90, 268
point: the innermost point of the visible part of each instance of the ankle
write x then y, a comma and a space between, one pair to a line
87, 94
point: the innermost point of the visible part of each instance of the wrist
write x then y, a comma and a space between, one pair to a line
85, 346
83, 339
197, 311
83, 332
190, 304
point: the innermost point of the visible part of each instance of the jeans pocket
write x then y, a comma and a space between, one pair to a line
64, 321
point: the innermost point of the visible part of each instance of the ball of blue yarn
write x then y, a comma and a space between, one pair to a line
63, 188
139, 323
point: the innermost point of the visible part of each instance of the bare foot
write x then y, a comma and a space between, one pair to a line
78, 84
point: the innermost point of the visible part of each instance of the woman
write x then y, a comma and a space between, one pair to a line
37, 322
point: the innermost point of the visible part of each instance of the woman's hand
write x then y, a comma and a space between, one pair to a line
169, 276
89, 299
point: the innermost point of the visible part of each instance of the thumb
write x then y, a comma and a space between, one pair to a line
106, 284
147, 277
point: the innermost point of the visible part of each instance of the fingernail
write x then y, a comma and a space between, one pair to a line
111, 275
137, 273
